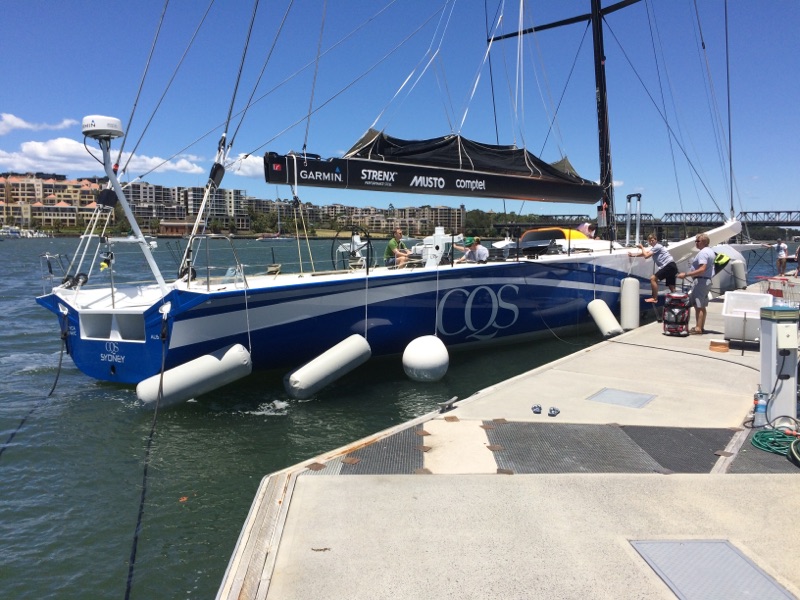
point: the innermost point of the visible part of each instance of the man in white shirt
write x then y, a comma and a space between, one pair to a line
783, 252
702, 271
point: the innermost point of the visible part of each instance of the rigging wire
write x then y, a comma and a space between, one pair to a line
664, 119
239, 76
506, 71
341, 91
508, 79
282, 83
263, 70
728, 80
487, 27
144, 75
432, 56
554, 120
653, 36
711, 93
297, 208
438, 66
164, 93
316, 73
223, 148
519, 79
477, 79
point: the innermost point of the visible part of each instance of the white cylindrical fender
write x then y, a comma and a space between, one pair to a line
426, 359
198, 376
604, 318
629, 303
345, 356
739, 274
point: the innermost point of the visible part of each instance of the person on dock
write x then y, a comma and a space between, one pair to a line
797, 261
587, 229
396, 253
782, 252
666, 268
702, 271
473, 251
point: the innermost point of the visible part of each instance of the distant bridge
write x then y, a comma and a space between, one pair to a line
768, 218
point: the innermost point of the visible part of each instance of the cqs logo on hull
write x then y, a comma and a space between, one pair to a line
486, 312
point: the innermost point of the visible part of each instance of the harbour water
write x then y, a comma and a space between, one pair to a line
71, 465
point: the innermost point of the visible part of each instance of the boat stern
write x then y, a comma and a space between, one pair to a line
116, 345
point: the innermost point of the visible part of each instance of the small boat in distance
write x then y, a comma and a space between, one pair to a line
18, 233
277, 236
274, 237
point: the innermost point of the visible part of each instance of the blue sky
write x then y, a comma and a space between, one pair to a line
65, 60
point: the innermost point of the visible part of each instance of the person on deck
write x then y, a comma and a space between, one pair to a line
587, 229
783, 252
473, 251
702, 272
396, 253
666, 268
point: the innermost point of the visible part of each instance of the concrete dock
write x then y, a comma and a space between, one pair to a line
644, 485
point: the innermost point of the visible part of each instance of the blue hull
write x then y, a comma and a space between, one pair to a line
286, 326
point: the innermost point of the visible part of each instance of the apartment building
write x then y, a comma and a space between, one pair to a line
49, 201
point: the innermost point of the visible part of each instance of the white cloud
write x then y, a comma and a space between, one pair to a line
248, 166
69, 157
61, 155
140, 165
9, 123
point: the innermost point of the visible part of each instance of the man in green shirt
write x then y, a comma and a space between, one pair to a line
396, 253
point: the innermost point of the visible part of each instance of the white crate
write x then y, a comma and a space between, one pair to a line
741, 313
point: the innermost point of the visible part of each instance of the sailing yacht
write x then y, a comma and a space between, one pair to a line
130, 332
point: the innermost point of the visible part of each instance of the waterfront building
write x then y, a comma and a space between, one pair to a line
53, 202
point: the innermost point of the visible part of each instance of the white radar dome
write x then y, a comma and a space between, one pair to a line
98, 126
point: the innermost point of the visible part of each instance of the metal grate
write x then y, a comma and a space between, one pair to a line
750, 459
396, 454
622, 398
568, 448
681, 449
331, 467
708, 570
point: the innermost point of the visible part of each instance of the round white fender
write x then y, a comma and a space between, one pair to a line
198, 376
426, 359
345, 356
629, 303
604, 318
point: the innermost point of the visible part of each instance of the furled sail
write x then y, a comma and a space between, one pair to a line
449, 166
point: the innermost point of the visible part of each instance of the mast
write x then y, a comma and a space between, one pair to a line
603, 133
604, 139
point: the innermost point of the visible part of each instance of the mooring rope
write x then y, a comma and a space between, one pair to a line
140, 516
52, 389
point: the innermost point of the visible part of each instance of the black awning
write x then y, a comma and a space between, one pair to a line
448, 166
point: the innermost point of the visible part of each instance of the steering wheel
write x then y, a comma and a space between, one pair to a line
352, 252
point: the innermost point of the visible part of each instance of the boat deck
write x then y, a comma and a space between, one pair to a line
644, 485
